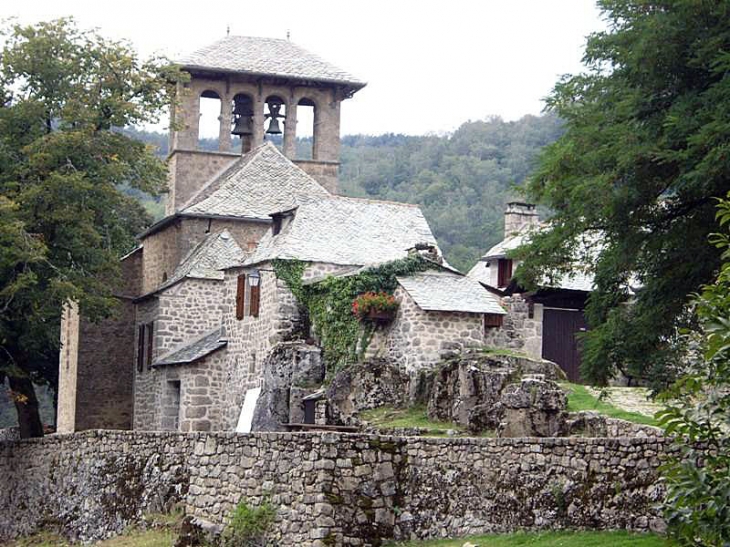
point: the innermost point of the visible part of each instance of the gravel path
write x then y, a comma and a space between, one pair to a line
631, 399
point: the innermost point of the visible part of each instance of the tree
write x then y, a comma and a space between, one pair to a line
697, 508
644, 153
63, 221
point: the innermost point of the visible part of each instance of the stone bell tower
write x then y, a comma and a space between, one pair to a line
261, 83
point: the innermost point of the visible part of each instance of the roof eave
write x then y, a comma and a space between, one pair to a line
354, 85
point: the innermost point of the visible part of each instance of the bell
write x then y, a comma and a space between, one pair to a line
243, 126
274, 107
274, 128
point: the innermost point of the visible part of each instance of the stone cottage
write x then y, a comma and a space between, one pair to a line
205, 325
542, 323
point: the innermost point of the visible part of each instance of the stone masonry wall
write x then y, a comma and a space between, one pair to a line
332, 489
418, 339
96, 361
166, 248
519, 331
181, 314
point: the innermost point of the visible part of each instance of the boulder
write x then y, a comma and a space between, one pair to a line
363, 386
534, 408
290, 368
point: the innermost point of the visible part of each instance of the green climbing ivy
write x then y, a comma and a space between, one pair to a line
343, 337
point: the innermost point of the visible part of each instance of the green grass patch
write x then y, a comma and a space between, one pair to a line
579, 398
414, 416
503, 352
147, 538
548, 539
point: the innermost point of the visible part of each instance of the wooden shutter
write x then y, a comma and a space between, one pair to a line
255, 297
150, 338
240, 296
504, 272
140, 348
492, 320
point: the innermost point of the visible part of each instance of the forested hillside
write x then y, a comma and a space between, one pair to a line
461, 180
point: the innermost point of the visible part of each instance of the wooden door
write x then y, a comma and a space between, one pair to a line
559, 343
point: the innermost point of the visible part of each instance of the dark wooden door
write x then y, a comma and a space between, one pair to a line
559, 343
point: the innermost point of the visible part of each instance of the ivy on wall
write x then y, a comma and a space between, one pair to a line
343, 337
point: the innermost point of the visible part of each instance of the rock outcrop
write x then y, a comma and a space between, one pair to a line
291, 371
363, 386
533, 408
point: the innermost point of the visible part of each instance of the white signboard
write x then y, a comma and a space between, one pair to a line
246, 417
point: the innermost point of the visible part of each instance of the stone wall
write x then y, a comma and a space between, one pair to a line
519, 331
329, 488
419, 339
166, 248
146, 385
186, 311
96, 361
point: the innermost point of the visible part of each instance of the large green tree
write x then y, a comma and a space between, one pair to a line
63, 221
646, 151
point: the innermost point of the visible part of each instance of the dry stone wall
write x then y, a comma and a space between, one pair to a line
331, 488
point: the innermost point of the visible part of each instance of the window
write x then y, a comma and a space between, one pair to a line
492, 320
306, 115
145, 343
150, 340
504, 272
140, 348
248, 295
240, 296
209, 125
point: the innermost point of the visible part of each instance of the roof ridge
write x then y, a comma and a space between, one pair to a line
371, 201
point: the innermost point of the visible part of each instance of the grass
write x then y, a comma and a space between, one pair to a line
580, 399
414, 416
549, 539
163, 533
136, 538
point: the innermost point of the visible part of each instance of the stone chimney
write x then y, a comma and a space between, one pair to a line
519, 215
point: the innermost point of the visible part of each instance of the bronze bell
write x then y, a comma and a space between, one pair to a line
274, 128
243, 125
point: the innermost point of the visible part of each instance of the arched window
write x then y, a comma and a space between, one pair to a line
209, 124
306, 110
274, 116
242, 122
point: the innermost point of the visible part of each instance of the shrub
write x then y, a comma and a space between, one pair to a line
249, 526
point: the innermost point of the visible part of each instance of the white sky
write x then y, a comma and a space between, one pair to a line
430, 65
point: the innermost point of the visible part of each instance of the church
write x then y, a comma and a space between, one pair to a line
203, 317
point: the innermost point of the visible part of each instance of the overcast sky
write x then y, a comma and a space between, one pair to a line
430, 65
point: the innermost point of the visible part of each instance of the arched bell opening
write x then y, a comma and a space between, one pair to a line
209, 124
242, 122
306, 114
274, 119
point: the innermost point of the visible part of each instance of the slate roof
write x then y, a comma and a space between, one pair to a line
206, 260
445, 291
577, 280
267, 57
207, 344
346, 231
262, 182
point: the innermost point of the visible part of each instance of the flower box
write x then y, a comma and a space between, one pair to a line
378, 308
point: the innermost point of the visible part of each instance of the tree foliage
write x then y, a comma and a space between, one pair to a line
645, 151
65, 94
698, 416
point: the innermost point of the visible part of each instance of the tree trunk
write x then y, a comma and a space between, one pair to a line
26, 405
